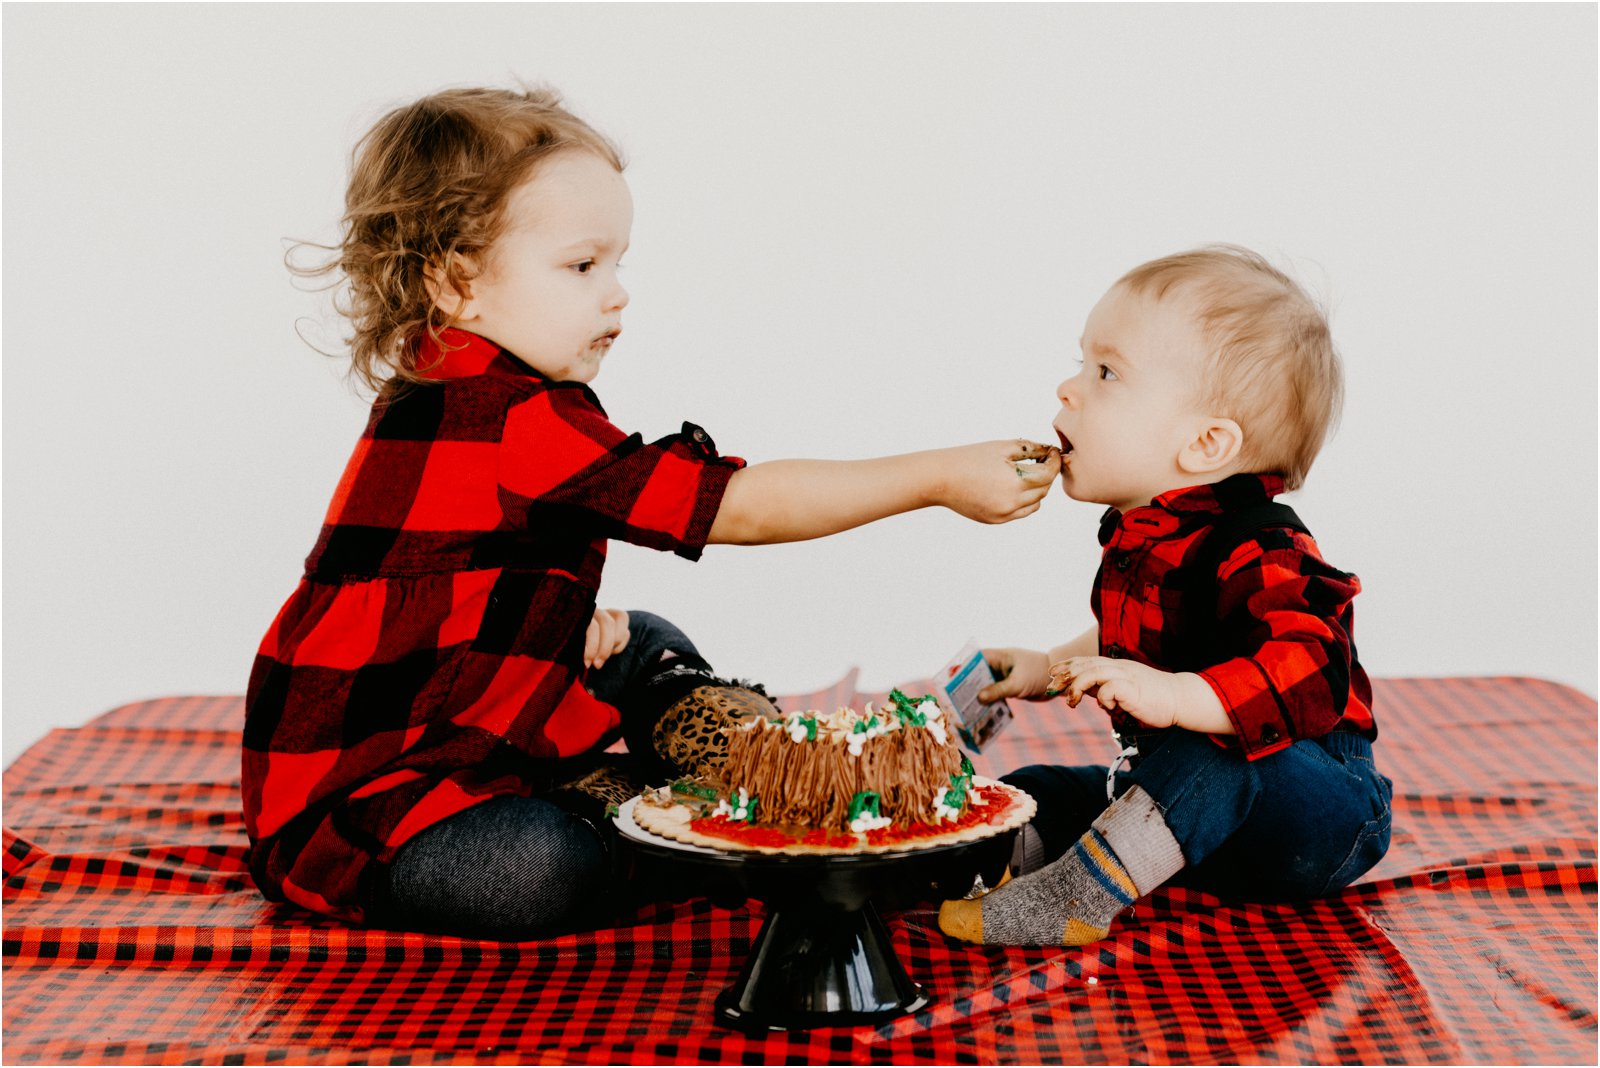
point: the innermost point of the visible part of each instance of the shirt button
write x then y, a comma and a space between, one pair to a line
1115, 652
1269, 734
1122, 561
700, 436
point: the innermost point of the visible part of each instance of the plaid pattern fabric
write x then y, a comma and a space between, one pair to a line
432, 656
1283, 615
134, 936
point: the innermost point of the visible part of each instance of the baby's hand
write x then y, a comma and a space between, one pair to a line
1023, 673
1151, 696
998, 481
607, 636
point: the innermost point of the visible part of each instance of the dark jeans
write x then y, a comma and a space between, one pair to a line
522, 867
1304, 822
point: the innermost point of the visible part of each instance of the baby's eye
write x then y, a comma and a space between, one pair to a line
584, 266
1107, 374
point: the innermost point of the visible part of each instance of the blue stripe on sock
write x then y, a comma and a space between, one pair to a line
1099, 874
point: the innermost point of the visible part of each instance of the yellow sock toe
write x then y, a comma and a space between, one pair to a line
1078, 933
962, 919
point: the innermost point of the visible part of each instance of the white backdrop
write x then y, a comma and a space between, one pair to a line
860, 230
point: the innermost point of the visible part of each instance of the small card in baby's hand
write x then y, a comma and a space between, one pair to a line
957, 689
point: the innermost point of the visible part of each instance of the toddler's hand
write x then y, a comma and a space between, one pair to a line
1151, 696
1023, 673
998, 481
607, 636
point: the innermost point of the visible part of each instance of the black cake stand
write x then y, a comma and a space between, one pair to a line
823, 957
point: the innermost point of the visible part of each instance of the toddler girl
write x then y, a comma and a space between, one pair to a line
426, 715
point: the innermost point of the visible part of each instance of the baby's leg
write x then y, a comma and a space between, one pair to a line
1297, 824
511, 868
1128, 849
1068, 799
1320, 821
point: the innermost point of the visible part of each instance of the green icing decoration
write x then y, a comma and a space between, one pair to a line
864, 802
694, 789
909, 711
966, 766
750, 810
956, 796
862, 726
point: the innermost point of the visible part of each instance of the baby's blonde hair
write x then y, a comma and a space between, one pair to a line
428, 188
1271, 366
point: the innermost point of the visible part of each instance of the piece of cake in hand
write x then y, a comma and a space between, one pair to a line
876, 780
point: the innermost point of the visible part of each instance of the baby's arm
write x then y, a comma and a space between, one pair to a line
794, 500
1025, 673
1154, 697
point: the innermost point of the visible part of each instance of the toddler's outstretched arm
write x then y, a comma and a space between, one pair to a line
794, 500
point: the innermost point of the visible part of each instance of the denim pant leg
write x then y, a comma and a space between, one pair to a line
649, 637
511, 867
1068, 799
641, 685
1301, 823
523, 867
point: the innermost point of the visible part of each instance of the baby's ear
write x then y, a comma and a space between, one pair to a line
450, 290
1215, 445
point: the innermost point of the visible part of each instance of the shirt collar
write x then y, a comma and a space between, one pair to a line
464, 354
1187, 507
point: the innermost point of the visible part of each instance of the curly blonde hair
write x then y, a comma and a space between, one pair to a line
1271, 364
428, 188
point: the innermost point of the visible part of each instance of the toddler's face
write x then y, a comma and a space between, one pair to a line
1128, 412
548, 292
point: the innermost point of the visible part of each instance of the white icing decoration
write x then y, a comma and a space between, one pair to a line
741, 811
942, 811
863, 823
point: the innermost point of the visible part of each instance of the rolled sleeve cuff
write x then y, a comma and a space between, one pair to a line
1247, 696
714, 479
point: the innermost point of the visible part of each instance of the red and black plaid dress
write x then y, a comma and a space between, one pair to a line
432, 655
1271, 629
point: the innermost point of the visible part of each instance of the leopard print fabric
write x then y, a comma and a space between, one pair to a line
692, 734
609, 784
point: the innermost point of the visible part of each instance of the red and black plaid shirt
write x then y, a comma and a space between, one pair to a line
432, 656
1270, 631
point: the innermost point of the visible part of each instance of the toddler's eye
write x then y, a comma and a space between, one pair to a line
584, 267
1107, 374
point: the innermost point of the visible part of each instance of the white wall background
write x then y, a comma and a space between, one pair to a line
859, 230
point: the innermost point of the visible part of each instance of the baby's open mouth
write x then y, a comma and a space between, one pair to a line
1066, 444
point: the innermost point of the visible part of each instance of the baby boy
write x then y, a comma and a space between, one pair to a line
1222, 650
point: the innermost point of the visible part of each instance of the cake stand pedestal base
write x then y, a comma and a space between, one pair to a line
820, 968
823, 958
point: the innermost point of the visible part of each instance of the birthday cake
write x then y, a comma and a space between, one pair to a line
880, 779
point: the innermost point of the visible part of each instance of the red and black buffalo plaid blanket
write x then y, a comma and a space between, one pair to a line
134, 935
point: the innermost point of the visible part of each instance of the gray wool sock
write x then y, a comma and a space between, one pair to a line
1128, 852
1136, 830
